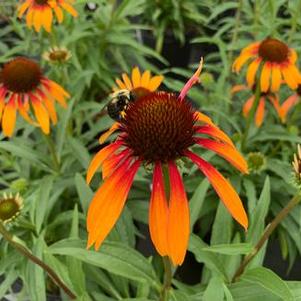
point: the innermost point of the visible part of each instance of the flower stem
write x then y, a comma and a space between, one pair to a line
52, 151
167, 279
21, 249
251, 114
266, 234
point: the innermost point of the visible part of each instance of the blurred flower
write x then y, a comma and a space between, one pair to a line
260, 110
57, 55
159, 128
256, 162
290, 102
297, 167
24, 87
10, 207
40, 12
278, 60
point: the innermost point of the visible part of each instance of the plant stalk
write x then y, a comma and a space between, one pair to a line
21, 249
266, 234
53, 153
167, 279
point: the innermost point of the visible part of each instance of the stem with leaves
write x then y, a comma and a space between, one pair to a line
167, 279
266, 234
21, 249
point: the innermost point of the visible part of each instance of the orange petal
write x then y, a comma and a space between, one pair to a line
251, 72
47, 19
238, 88
29, 18
2, 101
59, 14
108, 133
155, 82
127, 81
23, 8
41, 114
247, 106
69, 8
287, 105
23, 110
108, 203
136, 77
120, 84
226, 151
276, 78
9, 117
223, 188
110, 164
99, 158
260, 112
265, 77
37, 19
158, 213
203, 118
214, 132
289, 78
241, 60
145, 79
275, 102
178, 220
293, 56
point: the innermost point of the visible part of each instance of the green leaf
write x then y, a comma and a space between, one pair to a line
114, 257
230, 249
79, 151
10, 277
197, 200
42, 201
270, 281
84, 192
214, 290
211, 260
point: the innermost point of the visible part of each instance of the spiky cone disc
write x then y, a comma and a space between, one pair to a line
10, 207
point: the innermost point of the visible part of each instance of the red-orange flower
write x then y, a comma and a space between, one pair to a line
40, 12
278, 61
24, 87
159, 128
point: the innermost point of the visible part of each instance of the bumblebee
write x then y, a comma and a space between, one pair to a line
118, 104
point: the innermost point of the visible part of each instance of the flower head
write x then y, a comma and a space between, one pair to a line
278, 61
260, 110
10, 207
57, 55
256, 162
40, 12
297, 168
159, 128
24, 87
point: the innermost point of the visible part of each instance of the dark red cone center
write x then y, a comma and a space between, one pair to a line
273, 50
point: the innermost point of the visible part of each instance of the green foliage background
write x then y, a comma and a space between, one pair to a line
104, 44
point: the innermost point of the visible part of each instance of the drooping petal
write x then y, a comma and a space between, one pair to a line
251, 72
112, 161
226, 151
223, 188
120, 84
59, 14
9, 117
287, 105
275, 102
293, 56
214, 132
23, 8
69, 8
108, 203
276, 78
203, 118
247, 106
37, 19
29, 18
260, 112
23, 110
238, 88
47, 19
158, 213
265, 77
41, 114
136, 77
288, 77
108, 133
194, 79
241, 60
178, 219
99, 158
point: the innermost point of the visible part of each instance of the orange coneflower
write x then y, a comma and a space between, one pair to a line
260, 110
22, 87
278, 60
159, 128
40, 12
